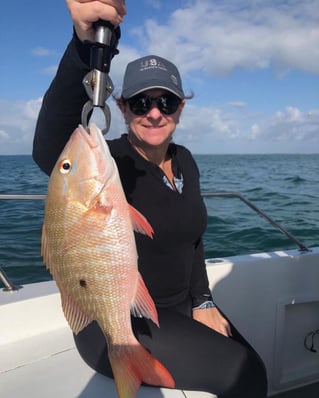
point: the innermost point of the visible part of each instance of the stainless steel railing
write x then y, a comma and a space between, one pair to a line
9, 286
22, 197
301, 246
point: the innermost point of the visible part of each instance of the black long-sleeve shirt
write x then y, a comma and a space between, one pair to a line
172, 263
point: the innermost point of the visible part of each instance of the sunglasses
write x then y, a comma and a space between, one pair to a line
142, 104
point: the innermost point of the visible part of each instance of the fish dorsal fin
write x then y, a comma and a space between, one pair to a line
76, 318
139, 222
143, 304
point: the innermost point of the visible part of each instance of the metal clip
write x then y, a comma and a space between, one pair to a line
98, 97
97, 82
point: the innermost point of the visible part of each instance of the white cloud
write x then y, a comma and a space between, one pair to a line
293, 125
213, 38
50, 70
210, 130
237, 104
219, 37
31, 109
40, 51
43, 52
202, 129
4, 136
156, 4
17, 123
119, 62
117, 127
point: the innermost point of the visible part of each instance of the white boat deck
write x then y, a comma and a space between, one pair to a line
38, 360
56, 370
273, 298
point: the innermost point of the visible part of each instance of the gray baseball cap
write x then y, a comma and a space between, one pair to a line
151, 72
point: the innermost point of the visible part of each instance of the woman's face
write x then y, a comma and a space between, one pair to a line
153, 128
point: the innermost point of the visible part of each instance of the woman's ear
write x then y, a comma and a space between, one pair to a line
179, 111
181, 106
121, 105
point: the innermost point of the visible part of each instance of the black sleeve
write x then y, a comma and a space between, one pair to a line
62, 104
61, 109
199, 284
200, 291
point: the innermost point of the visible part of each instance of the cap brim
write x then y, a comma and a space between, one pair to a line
129, 93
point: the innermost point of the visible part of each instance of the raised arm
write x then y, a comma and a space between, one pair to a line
62, 104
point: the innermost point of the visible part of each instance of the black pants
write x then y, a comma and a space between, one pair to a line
197, 357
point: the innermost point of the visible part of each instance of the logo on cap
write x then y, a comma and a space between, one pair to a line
174, 80
152, 63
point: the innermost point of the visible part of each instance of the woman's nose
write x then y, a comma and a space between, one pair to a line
154, 112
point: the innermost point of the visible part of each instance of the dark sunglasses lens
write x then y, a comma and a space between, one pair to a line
140, 105
167, 104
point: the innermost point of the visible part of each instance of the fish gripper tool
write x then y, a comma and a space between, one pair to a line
97, 83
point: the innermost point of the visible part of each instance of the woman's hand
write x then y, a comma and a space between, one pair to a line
85, 12
212, 318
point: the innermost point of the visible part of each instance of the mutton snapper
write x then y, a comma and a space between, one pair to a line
89, 247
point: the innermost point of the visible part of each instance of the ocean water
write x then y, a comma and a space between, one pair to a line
285, 187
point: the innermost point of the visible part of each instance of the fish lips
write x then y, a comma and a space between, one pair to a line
105, 164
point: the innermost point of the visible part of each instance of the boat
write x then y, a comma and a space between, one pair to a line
274, 302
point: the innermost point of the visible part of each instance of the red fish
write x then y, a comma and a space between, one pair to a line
89, 247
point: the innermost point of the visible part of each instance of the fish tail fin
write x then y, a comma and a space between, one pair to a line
133, 364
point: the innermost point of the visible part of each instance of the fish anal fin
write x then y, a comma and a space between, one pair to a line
76, 318
143, 304
133, 365
139, 222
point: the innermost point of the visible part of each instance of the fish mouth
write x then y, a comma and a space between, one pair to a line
91, 136
104, 167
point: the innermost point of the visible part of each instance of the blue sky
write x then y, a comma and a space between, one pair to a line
253, 66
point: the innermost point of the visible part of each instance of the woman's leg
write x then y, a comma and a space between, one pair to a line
201, 359
197, 357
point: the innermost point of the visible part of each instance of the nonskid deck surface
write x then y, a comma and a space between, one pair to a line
55, 369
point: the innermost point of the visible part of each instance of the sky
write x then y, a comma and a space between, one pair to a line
253, 66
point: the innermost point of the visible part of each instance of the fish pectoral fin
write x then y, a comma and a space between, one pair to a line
133, 364
102, 205
143, 304
139, 222
76, 318
99, 211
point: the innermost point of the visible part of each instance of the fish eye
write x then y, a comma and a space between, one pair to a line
65, 166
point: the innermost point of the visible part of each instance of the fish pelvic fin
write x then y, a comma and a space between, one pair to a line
139, 222
143, 304
133, 364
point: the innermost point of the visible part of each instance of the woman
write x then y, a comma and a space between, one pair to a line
197, 344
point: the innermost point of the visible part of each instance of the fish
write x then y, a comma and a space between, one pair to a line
88, 246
